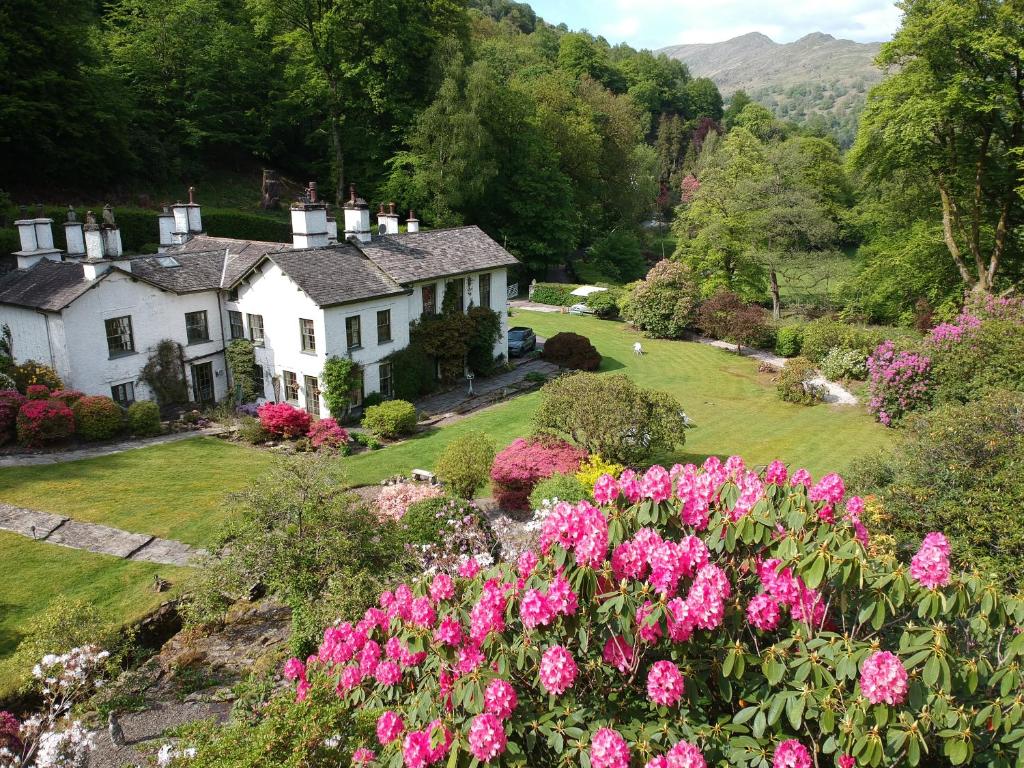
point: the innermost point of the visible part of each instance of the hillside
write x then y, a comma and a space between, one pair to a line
816, 79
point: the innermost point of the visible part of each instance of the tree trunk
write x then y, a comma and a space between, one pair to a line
776, 298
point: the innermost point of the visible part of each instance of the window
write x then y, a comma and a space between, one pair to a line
237, 328
196, 327
353, 333
384, 326
455, 294
312, 395
485, 290
429, 299
291, 387
356, 395
119, 336
123, 394
385, 380
256, 329
308, 334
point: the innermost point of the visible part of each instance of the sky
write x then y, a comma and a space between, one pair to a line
658, 23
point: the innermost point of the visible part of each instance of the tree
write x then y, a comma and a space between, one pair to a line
953, 111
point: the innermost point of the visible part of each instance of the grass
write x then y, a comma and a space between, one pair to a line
121, 590
735, 408
174, 491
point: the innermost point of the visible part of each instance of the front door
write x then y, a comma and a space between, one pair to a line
202, 382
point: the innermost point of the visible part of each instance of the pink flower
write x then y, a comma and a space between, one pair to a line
294, 669
791, 754
557, 670
930, 566
449, 632
664, 683
500, 699
534, 609
487, 737
763, 612
883, 679
442, 587
387, 673
618, 653
363, 756
608, 750
847, 761
606, 489
656, 484
389, 727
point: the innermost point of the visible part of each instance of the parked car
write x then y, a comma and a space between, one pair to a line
521, 340
580, 309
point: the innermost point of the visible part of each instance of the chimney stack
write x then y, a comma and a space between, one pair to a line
74, 236
36, 240
165, 221
357, 217
412, 224
309, 221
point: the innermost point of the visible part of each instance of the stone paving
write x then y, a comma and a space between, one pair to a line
101, 539
59, 457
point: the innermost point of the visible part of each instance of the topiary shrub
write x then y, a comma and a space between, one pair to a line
30, 372
663, 304
37, 392
144, 418
789, 340
283, 420
519, 467
570, 350
465, 463
327, 434
390, 419
44, 421
67, 396
844, 363
97, 417
794, 382
10, 403
558, 487
673, 625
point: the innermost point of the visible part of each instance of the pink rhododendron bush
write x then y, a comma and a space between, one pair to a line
712, 616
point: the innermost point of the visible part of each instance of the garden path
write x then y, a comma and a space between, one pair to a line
102, 539
59, 457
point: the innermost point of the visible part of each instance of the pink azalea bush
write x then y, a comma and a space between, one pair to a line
524, 463
283, 420
394, 500
734, 619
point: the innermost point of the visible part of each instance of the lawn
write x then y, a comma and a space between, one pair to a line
173, 491
736, 410
37, 572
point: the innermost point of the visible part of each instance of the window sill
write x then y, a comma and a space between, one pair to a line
119, 355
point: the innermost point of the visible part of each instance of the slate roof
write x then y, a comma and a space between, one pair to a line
47, 285
409, 258
339, 274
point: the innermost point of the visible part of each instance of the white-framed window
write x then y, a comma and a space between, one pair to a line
120, 340
123, 394
308, 333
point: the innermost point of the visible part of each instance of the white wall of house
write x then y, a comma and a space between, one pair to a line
156, 315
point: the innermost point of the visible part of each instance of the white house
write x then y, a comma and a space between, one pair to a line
96, 315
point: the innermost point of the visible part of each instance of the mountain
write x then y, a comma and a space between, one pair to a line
817, 80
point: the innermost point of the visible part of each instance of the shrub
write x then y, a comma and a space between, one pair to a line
394, 500
726, 316
954, 453
144, 418
900, 382
391, 418
524, 463
327, 433
67, 396
44, 421
611, 415
30, 372
426, 521
794, 382
570, 350
788, 340
595, 466
340, 377
465, 463
663, 304
10, 403
97, 417
719, 616
283, 420
558, 487
37, 392
559, 294
604, 304
252, 431
844, 363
